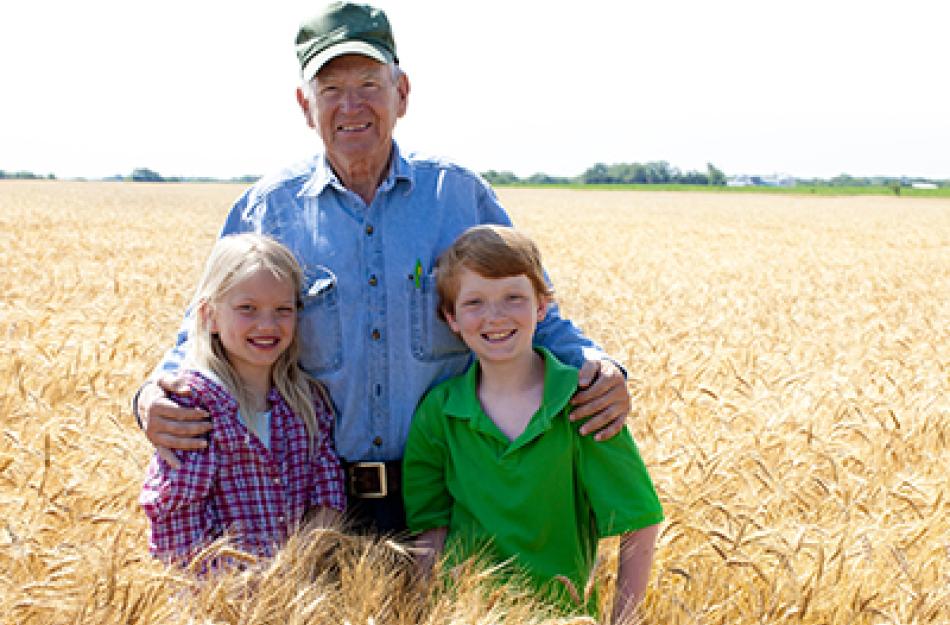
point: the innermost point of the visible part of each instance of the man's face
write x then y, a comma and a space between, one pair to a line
354, 106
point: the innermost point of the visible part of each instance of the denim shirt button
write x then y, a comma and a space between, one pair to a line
375, 334
369, 229
373, 281
378, 441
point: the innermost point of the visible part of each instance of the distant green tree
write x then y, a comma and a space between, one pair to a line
597, 174
714, 176
143, 174
500, 177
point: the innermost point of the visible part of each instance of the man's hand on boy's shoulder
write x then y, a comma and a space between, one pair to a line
601, 398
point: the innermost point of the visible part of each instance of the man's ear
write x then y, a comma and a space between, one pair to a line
402, 90
305, 106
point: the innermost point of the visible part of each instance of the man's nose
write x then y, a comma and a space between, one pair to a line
351, 100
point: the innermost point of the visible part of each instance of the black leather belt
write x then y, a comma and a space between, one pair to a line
373, 480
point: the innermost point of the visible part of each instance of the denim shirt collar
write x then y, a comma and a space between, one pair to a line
323, 176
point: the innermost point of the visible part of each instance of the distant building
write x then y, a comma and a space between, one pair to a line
775, 180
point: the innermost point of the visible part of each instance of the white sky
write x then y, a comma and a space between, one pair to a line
204, 87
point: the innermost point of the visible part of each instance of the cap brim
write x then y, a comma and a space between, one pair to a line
347, 47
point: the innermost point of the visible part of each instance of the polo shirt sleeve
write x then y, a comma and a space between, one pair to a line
617, 484
425, 494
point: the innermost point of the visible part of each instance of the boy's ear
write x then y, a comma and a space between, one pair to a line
543, 302
450, 319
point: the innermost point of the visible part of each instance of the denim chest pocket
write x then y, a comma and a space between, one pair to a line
431, 339
319, 326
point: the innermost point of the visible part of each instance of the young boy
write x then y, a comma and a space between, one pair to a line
493, 466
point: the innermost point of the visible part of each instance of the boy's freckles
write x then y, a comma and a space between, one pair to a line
496, 317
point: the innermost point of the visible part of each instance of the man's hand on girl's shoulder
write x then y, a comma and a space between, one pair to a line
166, 424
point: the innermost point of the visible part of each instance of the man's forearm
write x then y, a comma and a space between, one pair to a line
568, 342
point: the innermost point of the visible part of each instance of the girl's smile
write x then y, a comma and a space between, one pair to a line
255, 322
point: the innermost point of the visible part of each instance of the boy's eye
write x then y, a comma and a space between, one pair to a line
286, 310
245, 308
516, 298
470, 303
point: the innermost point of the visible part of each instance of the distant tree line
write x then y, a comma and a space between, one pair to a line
144, 174
844, 180
24, 175
652, 172
661, 172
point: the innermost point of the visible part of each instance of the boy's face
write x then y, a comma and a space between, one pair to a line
496, 317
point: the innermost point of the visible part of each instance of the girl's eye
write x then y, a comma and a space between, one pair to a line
471, 303
245, 308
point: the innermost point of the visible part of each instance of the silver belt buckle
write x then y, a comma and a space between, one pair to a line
357, 468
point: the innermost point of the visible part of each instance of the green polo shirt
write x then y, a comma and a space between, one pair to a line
539, 502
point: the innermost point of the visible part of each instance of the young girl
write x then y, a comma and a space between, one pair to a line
270, 456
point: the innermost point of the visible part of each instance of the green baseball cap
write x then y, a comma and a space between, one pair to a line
344, 28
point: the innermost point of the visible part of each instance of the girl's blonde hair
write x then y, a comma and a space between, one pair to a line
233, 259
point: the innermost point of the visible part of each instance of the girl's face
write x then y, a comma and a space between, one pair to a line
255, 321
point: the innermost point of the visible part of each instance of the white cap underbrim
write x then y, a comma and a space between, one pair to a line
346, 47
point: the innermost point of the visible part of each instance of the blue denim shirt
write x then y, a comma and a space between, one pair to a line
369, 327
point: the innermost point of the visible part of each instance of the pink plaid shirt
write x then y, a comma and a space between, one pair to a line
258, 496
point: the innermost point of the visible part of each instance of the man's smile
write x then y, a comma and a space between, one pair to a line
354, 127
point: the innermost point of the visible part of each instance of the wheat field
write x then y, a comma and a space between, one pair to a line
788, 358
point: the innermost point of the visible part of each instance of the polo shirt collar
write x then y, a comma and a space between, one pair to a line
322, 177
560, 382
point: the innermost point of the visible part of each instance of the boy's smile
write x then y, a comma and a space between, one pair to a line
496, 317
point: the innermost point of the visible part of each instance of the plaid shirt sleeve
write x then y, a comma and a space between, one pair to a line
328, 473
178, 503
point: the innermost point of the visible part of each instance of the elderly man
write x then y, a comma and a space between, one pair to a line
367, 223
